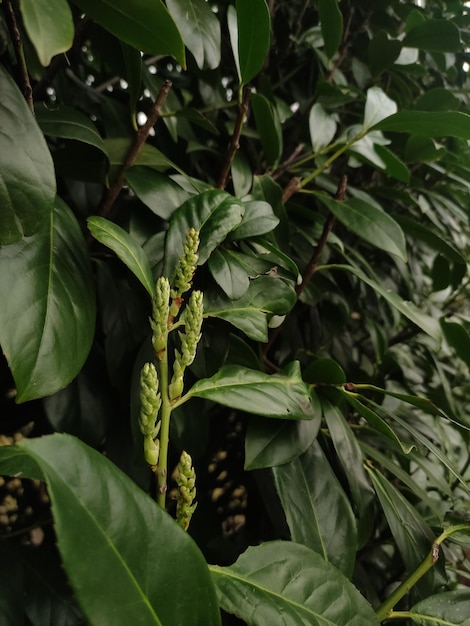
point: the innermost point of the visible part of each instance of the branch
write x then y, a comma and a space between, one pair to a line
234, 144
140, 139
19, 53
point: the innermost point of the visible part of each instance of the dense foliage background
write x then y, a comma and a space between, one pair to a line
321, 150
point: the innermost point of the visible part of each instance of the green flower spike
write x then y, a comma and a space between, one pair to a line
150, 401
186, 480
184, 270
192, 322
151, 450
160, 315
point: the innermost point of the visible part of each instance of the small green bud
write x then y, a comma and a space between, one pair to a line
186, 267
175, 388
193, 314
160, 315
151, 450
185, 477
150, 400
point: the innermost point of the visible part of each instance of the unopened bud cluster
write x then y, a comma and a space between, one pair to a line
185, 477
184, 271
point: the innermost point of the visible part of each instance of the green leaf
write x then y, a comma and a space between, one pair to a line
331, 22
382, 52
428, 123
158, 191
242, 176
393, 166
458, 337
378, 107
11, 584
275, 442
450, 608
200, 30
422, 149
268, 126
428, 324
133, 75
69, 123
149, 156
145, 25
49, 25
27, 179
213, 213
435, 36
417, 230
322, 126
229, 273
139, 583
265, 295
126, 248
282, 395
368, 222
47, 318
258, 219
253, 37
317, 510
284, 578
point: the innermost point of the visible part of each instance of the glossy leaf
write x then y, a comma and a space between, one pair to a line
434, 35
317, 509
419, 231
322, 126
138, 581
428, 123
378, 107
149, 156
48, 314
69, 123
200, 30
368, 222
383, 52
158, 191
49, 25
284, 578
145, 25
265, 295
282, 395
268, 126
458, 338
273, 442
451, 608
27, 180
331, 22
229, 273
258, 219
126, 248
213, 213
253, 37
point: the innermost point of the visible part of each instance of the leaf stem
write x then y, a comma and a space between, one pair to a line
19, 53
235, 141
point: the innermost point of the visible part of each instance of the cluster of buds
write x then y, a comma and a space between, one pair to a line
185, 477
150, 402
184, 271
159, 321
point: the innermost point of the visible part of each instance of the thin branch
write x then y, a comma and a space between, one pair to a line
234, 143
292, 187
19, 53
288, 162
140, 139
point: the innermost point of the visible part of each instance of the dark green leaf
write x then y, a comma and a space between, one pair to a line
149, 156
49, 25
229, 273
434, 35
253, 37
458, 338
382, 52
331, 22
282, 395
284, 578
428, 123
369, 222
437, 99
258, 219
47, 318
268, 126
417, 230
265, 295
145, 25
322, 126
69, 123
11, 585
422, 149
27, 180
317, 510
133, 64
451, 608
325, 371
126, 248
158, 191
200, 30
139, 583
274, 442
213, 213
242, 176
393, 166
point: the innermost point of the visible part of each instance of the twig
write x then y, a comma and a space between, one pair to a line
313, 263
18, 46
291, 188
234, 143
135, 148
288, 162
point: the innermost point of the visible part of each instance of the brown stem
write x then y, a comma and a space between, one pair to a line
288, 162
234, 143
140, 139
313, 263
291, 188
19, 53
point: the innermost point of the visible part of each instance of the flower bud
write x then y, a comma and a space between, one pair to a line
186, 265
175, 388
151, 450
160, 314
150, 400
185, 477
192, 321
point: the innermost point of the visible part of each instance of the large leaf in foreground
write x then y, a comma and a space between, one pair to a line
317, 509
280, 395
428, 123
284, 578
451, 608
47, 317
27, 180
149, 570
49, 25
253, 37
